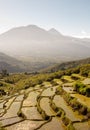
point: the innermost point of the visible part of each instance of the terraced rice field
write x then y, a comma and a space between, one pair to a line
32, 109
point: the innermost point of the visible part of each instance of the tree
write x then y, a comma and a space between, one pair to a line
4, 72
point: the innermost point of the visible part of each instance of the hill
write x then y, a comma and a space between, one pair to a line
12, 65
67, 65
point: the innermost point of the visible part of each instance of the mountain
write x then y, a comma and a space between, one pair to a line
36, 43
54, 32
67, 65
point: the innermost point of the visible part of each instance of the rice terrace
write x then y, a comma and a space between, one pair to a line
59, 100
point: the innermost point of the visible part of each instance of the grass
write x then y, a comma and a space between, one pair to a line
77, 77
66, 79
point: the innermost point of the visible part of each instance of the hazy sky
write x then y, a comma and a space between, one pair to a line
70, 17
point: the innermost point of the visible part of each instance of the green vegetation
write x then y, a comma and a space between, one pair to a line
72, 65
66, 79
70, 127
77, 77
85, 70
81, 88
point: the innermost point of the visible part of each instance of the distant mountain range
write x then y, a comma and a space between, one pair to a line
36, 43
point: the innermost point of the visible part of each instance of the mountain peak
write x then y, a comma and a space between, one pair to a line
54, 31
32, 26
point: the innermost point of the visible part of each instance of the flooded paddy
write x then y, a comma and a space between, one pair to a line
73, 116
1, 104
19, 98
47, 84
68, 89
82, 126
31, 99
10, 121
9, 102
31, 113
86, 81
12, 111
26, 125
44, 103
49, 91
54, 124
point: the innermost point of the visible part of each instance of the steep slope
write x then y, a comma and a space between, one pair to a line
67, 65
10, 63
10, 68
55, 32
36, 42
14, 65
8, 59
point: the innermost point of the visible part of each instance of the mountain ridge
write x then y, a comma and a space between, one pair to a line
67, 65
34, 41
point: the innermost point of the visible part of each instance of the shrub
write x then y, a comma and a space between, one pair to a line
1, 84
88, 91
65, 120
8, 80
67, 97
59, 113
2, 92
54, 83
83, 110
85, 70
78, 86
59, 90
70, 127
